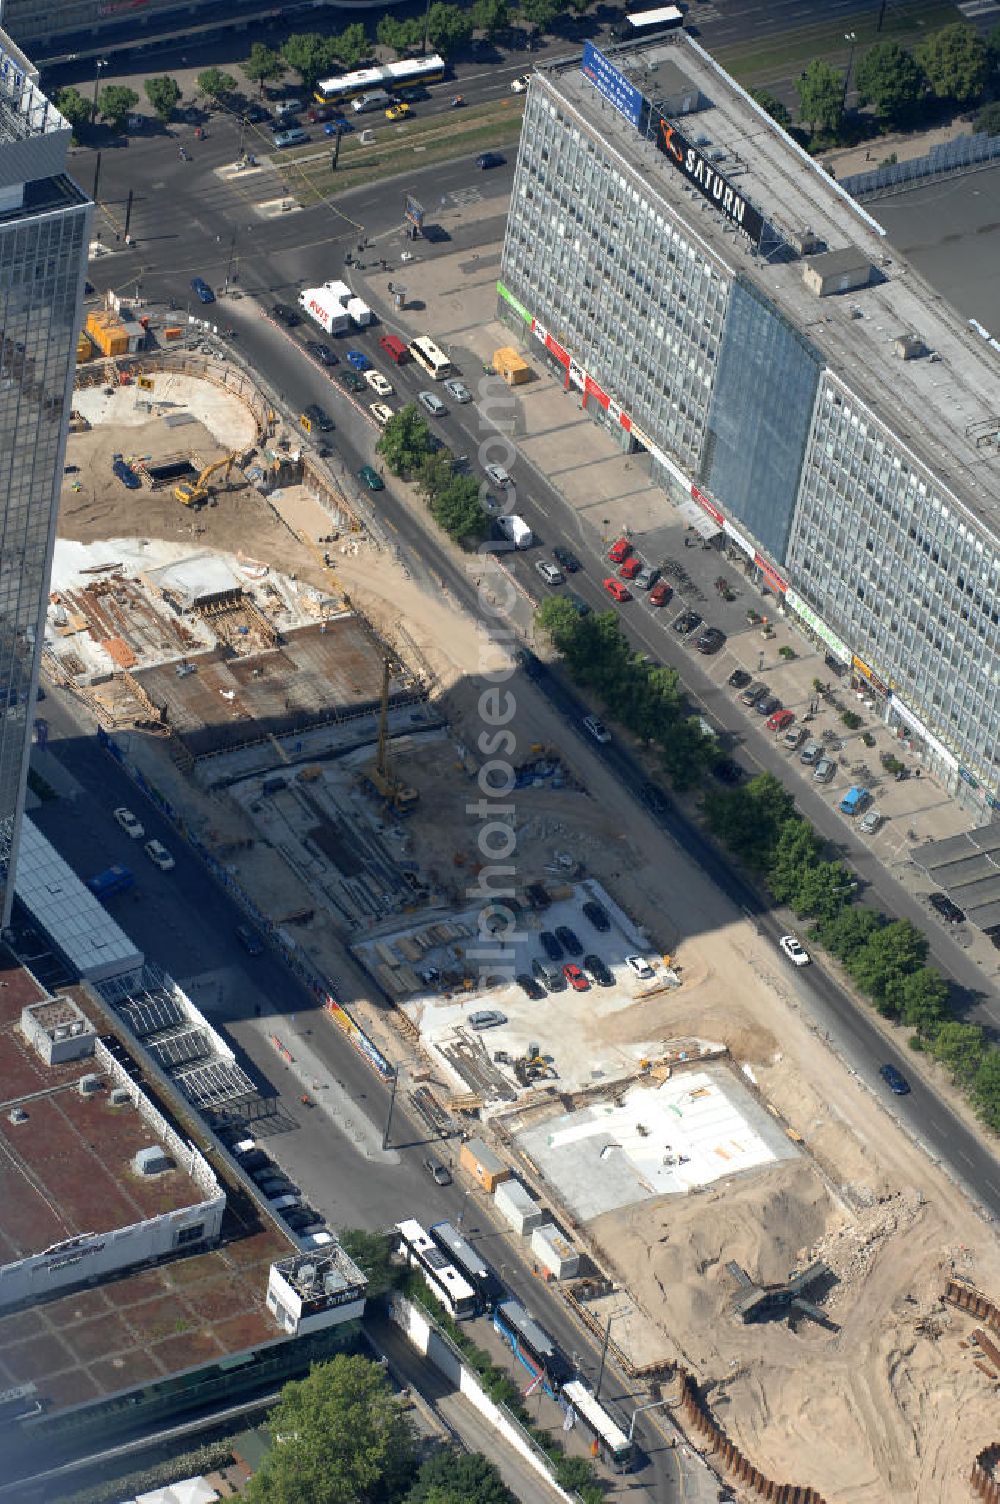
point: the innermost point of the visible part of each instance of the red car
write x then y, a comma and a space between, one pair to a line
780, 719
630, 568
660, 594
575, 977
619, 551
617, 589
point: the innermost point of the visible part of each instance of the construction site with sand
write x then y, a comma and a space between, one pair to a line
748, 1211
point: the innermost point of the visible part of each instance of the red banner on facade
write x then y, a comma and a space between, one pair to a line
557, 350
591, 389
708, 506
772, 576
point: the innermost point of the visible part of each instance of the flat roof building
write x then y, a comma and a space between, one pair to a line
720, 302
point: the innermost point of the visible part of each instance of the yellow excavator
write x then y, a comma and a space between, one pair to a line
193, 495
401, 797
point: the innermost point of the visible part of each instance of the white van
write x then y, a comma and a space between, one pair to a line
375, 99
516, 530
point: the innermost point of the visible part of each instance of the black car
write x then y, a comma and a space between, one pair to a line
579, 605
489, 159
597, 915
125, 474
253, 1159
537, 896
350, 380
727, 771
318, 418
654, 799
894, 1080
529, 986
566, 560
768, 705
286, 315
739, 678
598, 971
687, 622
711, 640
550, 945
322, 353
948, 909
568, 940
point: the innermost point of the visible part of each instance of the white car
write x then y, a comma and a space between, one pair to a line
520, 85
871, 822
129, 824
498, 475
458, 390
379, 383
159, 855
640, 966
549, 573
794, 950
597, 729
381, 412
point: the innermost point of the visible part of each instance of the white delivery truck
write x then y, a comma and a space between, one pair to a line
358, 311
328, 311
516, 530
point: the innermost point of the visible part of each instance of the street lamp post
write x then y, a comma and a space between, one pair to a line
654, 1405
101, 63
388, 1116
852, 37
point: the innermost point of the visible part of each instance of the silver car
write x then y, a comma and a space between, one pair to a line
549, 573
824, 770
498, 475
432, 404
458, 390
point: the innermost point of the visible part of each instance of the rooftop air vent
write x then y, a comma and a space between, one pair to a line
120, 1096
88, 1084
17, 1115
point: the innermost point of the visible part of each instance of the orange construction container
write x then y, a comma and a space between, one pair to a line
486, 1167
84, 349
107, 332
174, 332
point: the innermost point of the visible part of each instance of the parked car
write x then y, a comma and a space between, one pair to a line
768, 705
739, 678
619, 551
580, 606
598, 971
322, 353
661, 593
711, 640
439, 1173
647, 577
529, 986
550, 945
159, 856
794, 738
871, 822
894, 1080
947, 908
824, 770
431, 403
457, 390
371, 478
381, 412
687, 622
486, 1018
520, 85
549, 573
398, 111
616, 589
379, 383
286, 315
125, 473
639, 967
597, 914
202, 290
810, 753
631, 567
487, 159
655, 801
337, 127
795, 951
537, 896
296, 136
129, 824
575, 977
350, 381
569, 940
780, 720
597, 729
753, 693
249, 939
358, 359
566, 560
727, 771
318, 418
549, 973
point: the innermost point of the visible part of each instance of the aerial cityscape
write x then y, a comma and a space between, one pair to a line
499, 856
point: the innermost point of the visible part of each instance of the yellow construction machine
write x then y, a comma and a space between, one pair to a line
193, 495
386, 784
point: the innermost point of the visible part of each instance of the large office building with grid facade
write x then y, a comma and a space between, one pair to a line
44, 220
719, 302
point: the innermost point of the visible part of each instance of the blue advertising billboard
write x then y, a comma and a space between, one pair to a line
615, 87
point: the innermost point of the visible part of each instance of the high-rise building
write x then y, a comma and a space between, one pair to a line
44, 225
721, 303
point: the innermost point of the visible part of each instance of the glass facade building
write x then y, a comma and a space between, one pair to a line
619, 272
44, 233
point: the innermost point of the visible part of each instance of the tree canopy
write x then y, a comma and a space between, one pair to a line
372, 1252
821, 97
449, 1476
163, 93
263, 66
491, 17
541, 13
773, 106
890, 78
115, 103
350, 45
215, 84
956, 61
341, 1437
71, 103
309, 55
404, 440
448, 27
402, 35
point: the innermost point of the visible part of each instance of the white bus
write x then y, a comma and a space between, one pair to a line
608, 1438
644, 23
393, 76
443, 1279
432, 360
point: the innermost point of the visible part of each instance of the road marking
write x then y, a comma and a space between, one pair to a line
963, 1155
463, 198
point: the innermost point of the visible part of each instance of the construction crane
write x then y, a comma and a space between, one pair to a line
390, 788
193, 495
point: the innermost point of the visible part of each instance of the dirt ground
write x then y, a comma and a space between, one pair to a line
890, 1406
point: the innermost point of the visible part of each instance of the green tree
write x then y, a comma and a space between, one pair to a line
558, 619
448, 27
821, 97
960, 1049
344, 1439
749, 819
824, 889
77, 110
773, 106
163, 92
400, 35
956, 61
922, 1000
848, 932
541, 13
797, 849
457, 509
435, 472
372, 1252
263, 66
350, 45
405, 440
987, 120
449, 1476
309, 55
115, 103
215, 84
889, 78
886, 960
491, 17
685, 753
986, 1088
